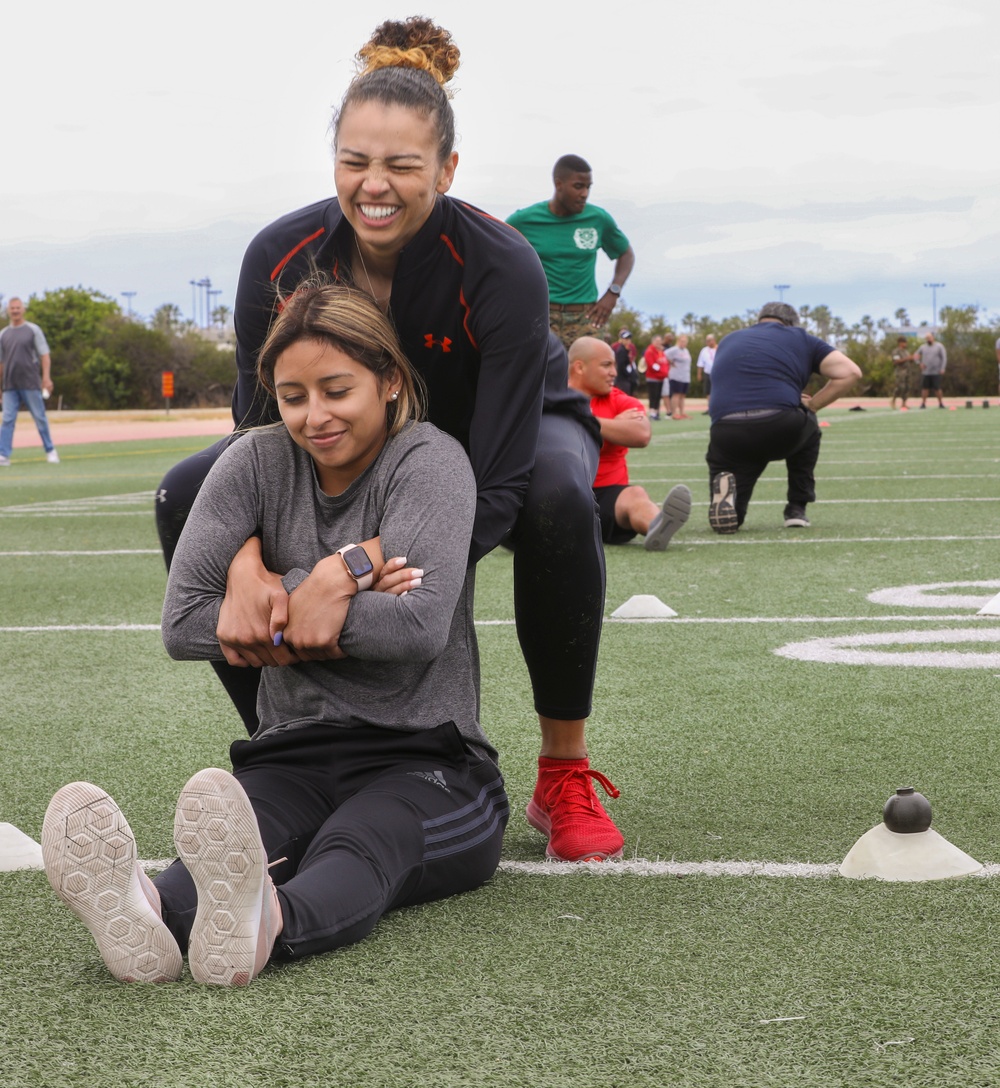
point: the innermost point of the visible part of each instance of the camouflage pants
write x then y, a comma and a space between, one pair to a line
571, 324
902, 386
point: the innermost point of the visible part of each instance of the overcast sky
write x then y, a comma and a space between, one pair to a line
849, 149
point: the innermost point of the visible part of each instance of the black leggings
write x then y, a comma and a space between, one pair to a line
654, 390
366, 820
745, 447
558, 568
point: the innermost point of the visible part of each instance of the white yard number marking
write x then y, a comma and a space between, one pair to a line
913, 649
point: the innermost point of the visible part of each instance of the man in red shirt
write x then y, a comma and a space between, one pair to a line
626, 509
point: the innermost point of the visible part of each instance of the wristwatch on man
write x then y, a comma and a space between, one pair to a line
615, 289
359, 566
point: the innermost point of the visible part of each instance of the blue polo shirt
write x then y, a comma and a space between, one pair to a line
765, 366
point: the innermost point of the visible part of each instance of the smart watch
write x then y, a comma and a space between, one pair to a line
615, 289
359, 566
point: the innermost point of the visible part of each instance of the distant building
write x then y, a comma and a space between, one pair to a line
910, 330
224, 338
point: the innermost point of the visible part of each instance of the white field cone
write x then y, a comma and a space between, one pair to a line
925, 855
643, 606
17, 850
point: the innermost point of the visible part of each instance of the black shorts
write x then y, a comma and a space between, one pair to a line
931, 381
679, 387
611, 531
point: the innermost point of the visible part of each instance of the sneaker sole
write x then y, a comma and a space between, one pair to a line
796, 523
90, 860
722, 511
217, 838
675, 512
540, 822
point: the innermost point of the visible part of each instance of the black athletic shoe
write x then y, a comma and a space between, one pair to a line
722, 509
795, 517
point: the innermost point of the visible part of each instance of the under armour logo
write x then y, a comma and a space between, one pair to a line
430, 342
161, 495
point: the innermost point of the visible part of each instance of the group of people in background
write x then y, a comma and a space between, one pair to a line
666, 365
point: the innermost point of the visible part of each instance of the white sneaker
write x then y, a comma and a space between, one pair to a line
90, 860
239, 916
674, 513
4, 462
52, 457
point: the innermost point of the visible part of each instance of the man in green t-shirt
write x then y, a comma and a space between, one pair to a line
566, 232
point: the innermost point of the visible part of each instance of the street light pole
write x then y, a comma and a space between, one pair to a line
129, 295
781, 288
934, 287
206, 283
211, 294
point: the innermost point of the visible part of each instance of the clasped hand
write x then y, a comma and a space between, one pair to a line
256, 608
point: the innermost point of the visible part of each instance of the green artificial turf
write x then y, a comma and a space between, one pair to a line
723, 751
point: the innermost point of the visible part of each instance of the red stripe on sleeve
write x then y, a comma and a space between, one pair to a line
454, 252
465, 323
291, 253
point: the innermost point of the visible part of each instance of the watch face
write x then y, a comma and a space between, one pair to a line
358, 562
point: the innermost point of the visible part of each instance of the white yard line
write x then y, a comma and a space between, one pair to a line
77, 514
965, 617
644, 867
804, 541
67, 554
72, 628
733, 541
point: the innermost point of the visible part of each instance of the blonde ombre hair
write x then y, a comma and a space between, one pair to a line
351, 322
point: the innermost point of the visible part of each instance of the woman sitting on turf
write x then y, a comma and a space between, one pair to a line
370, 784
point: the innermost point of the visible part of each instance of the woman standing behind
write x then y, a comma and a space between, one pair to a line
370, 784
469, 301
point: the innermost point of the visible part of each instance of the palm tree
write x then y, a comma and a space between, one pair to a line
168, 318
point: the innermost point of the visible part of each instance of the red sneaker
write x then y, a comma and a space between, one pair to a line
565, 808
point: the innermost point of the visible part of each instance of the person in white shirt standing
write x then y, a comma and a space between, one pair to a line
706, 357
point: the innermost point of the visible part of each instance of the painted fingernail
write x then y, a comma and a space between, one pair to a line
277, 639
418, 573
414, 582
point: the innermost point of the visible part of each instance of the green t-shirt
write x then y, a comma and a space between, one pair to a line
567, 246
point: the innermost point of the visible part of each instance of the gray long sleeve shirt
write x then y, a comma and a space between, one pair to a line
413, 660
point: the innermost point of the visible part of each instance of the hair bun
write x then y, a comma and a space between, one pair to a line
415, 43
